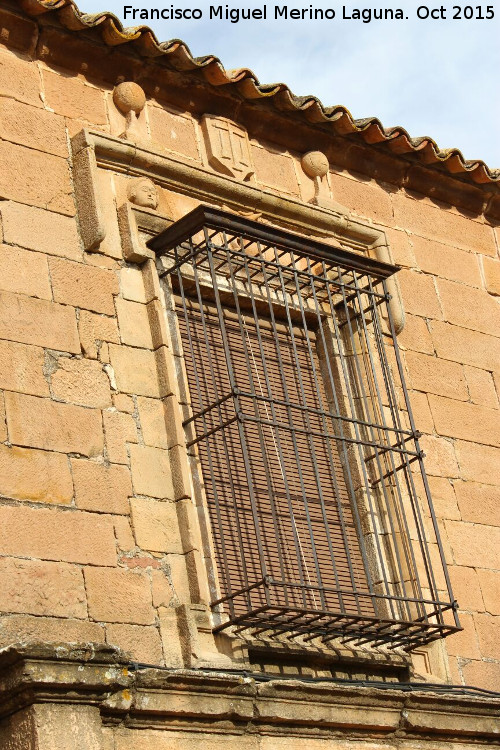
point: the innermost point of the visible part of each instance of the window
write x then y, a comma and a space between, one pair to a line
319, 506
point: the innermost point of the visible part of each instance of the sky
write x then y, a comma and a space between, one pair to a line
438, 77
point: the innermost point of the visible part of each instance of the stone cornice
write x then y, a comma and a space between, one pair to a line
93, 674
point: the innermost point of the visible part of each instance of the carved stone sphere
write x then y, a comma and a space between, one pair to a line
315, 164
129, 97
143, 192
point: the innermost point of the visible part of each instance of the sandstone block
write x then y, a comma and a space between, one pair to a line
275, 169
101, 488
443, 498
21, 369
133, 322
36, 178
132, 285
155, 525
481, 387
39, 322
440, 459
33, 127
466, 346
41, 230
123, 403
447, 227
435, 375
465, 583
464, 420
19, 78
94, 329
419, 294
68, 727
151, 473
81, 381
119, 430
83, 285
478, 463
123, 533
171, 639
484, 674
474, 545
25, 628
469, 308
135, 371
3, 420
416, 336
41, 423
50, 534
74, 98
488, 631
23, 272
142, 642
401, 249
118, 595
37, 476
447, 262
41, 588
489, 581
464, 644
153, 422
162, 589
363, 197
491, 269
173, 132
478, 503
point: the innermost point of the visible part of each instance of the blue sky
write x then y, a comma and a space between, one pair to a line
434, 77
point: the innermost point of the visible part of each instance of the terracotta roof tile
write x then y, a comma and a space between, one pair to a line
144, 41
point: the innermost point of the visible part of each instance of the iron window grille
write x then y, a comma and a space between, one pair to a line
319, 505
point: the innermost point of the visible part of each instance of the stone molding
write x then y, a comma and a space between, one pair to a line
100, 676
93, 150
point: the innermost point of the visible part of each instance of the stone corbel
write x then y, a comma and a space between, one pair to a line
90, 213
137, 225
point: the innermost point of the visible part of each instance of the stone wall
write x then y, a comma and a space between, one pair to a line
98, 536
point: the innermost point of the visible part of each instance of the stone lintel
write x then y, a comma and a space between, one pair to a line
100, 676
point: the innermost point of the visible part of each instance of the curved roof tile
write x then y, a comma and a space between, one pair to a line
145, 42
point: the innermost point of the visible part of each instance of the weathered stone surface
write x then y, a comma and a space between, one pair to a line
123, 403
491, 269
21, 369
102, 488
81, 381
434, 375
466, 346
151, 473
135, 371
94, 329
465, 583
419, 295
447, 262
118, 595
416, 335
481, 387
40, 230
39, 322
38, 476
134, 325
440, 459
68, 727
72, 97
478, 463
132, 285
15, 628
458, 419
41, 588
465, 643
488, 632
362, 197
469, 308
142, 642
33, 127
275, 169
19, 78
478, 503
36, 178
83, 285
119, 429
156, 527
153, 422
3, 422
24, 272
174, 132
490, 588
49, 534
474, 545
42, 423
483, 673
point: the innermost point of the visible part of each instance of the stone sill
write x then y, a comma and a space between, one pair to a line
101, 676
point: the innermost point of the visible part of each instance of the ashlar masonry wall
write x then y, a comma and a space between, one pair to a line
92, 536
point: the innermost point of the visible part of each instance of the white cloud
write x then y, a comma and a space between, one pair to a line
434, 77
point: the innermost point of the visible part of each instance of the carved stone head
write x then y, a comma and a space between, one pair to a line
143, 192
